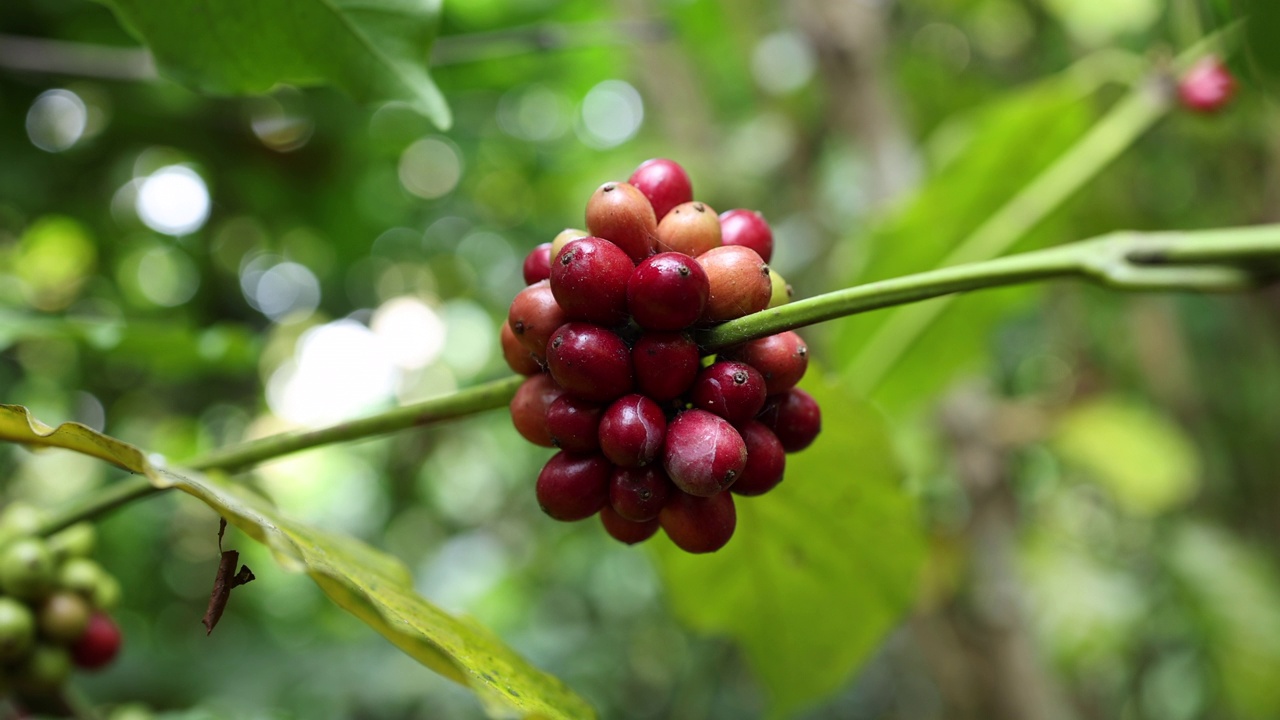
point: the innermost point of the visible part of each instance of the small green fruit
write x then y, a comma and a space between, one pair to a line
75, 541
781, 292
18, 520
27, 569
17, 630
44, 671
63, 616
80, 575
106, 596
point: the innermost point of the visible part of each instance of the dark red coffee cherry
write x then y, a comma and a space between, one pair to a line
1207, 86
638, 494
537, 264
664, 183
668, 291
518, 357
573, 487
740, 283
730, 389
691, 228
666, 364
703, 454
632, 430
766, 460
574, 425
782, 359
748, 229
529, 408
627, 531
589, 280
794, 416
590, 362
699, 524
534, 315
99, 644
621, 214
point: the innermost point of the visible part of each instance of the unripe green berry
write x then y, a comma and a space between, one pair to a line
27, 569
106, 596
44, 671
18, 520
17, 630
781, 292
80, 575
75, 541
63, 617
132, 711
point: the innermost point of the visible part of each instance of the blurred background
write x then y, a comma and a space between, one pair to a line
1090, 477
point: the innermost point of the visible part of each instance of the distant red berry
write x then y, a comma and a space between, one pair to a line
664, 182
537, 264
699, 524
1207, 86
99, 644
749, 229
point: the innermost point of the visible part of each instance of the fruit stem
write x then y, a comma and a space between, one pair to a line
1204, 261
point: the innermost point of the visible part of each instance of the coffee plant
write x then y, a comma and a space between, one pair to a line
820, 502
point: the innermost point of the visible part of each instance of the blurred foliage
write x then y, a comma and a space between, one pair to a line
185, 272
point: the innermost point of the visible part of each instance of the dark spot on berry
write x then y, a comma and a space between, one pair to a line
699, 207
608, 187
519, 328
739, 377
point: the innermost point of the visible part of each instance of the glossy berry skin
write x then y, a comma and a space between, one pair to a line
699, 524
632, 430
794, 416
529, 408
99, 644
627, 531
703, 454
537, 264
17, 629
666, 364
518, 357
590, 362
621, 214
639, 494
782, 359
669, 291
747, 228
573, 487
730, 389
740, 283
534, 315
1207, 86
574, 424
664, 183
691, 228
766, 460
589, 280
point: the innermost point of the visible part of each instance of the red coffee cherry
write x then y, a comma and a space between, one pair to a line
621, 214
740, 283
99, 644
638, 494
632, 430
589, 280
794, 416
666, 364
518, 357
573, 487
668, 291
590, 362
691, 228
732, 390
529, 408
766, 460
703, 454
782, 359
748, 229
534, 315
1207, 86
574, 425
699, 524
627, 531
537, 264
664, 183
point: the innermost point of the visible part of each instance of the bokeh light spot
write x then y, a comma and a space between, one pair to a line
430, 168
57, 120
612, 113
173, 200
782, 62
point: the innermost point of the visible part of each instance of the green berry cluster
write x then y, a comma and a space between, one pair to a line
53, 605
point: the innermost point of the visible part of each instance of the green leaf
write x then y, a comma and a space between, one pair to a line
819, 569
1147, 463
994, 153
372, 49
368, 583
1236, 592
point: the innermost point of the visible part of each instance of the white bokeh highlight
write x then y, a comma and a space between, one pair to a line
173, 200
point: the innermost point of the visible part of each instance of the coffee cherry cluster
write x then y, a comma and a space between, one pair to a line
53, 606
651, 433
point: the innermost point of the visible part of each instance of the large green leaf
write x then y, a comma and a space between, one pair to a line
368, 583
372, 49
998, 150
819, 569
